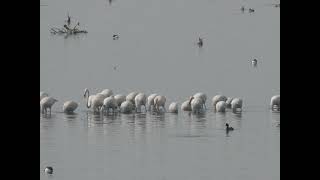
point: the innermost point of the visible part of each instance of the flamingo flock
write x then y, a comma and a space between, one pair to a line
106, 102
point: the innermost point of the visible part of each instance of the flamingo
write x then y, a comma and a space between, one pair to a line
221, 106
46, 103
173, 107
69, 106
196, 104
126, 107
140, 100
107, 92
275, 102
108, 103
229, 100
218, 98
150, 101
94, 101
202, 96
130, 97
119, 98
236, 103
159, 101
43, 94
186, 106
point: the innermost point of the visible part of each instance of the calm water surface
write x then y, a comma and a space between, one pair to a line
157, 53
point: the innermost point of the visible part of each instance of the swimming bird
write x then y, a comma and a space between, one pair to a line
48, 170
242, 9
251, 10
254, 62
46, 103
173, 107
115, 37
200, 42
228, 128
69, 106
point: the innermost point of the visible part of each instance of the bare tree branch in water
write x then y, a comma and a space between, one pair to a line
66, 29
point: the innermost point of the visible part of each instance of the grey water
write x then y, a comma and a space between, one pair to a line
157, 53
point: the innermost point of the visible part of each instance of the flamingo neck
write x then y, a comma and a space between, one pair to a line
87, 92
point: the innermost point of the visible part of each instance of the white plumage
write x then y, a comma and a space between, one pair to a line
46, 103
69, 106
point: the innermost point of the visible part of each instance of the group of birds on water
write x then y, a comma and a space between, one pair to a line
106, 102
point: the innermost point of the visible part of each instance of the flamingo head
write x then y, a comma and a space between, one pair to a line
85, 92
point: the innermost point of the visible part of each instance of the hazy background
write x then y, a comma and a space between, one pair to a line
157, 53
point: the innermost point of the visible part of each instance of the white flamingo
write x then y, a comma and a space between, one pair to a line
159, 101
229, 100
140, 100
109, 103
94, 101
236, 104
173, 107
203, 96
69, 106
218, 98
196, 104
119, 98
43, 94
221, 106
126, 107
186, 106
46, 103
275, 102
107, 92
150, 101
130, 97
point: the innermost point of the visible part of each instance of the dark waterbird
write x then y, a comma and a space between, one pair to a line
48, 170
200, 42
228, 128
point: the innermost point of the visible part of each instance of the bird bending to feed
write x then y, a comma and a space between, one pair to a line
46, 103
48, 170
228, 128
173, 107
200, 42
275, 103
69, 106
251, 10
